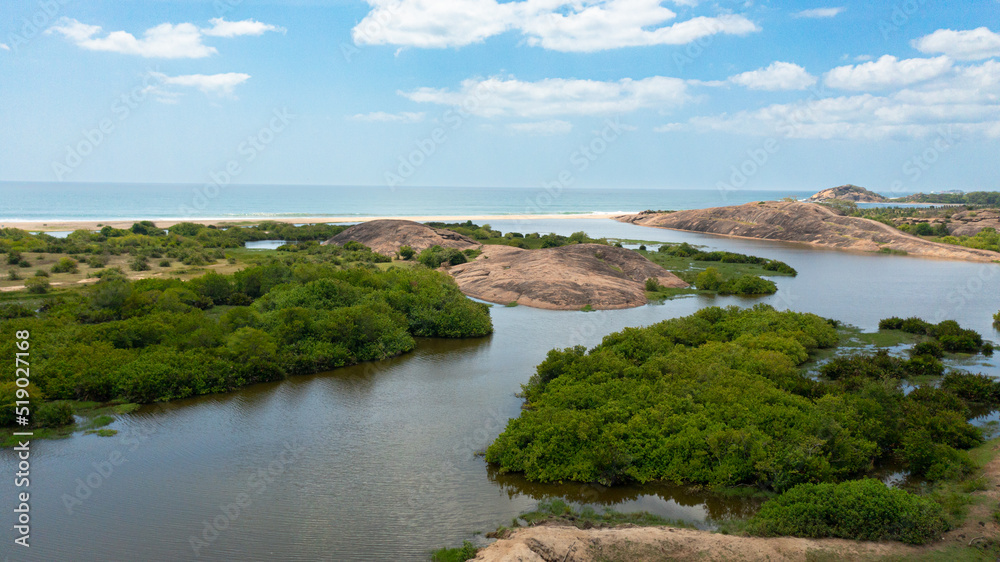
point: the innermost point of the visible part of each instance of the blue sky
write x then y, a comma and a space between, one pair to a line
897, 96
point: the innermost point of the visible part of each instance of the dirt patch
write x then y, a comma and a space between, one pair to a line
550, 543
386, 236
805, 222
563, 278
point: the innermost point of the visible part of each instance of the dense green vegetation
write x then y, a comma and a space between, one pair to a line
160, 339
985, 239
194, 244
978, 198
465, 552
947, 334
860, 509
533, 241
435, 256
685, 250
726, 273
716, 399
996, 320
712, 280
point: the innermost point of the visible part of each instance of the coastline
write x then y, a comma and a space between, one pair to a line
64, 225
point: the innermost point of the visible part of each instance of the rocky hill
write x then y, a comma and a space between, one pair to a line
566, 278
849, 193
386, 236
562, 278
805, 222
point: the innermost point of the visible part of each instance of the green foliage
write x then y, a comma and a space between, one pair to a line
652, 284
139, 263
65, 265
435, 256
949, 335
37, 285
53, 414
487, 235
713, 398
686, 250
860, 510
716, 399
983, 198
406, 252
711, 280
149, 340
465, 552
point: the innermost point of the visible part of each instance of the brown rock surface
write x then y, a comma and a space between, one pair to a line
968, 223
805, 222
386, 236
563, 278
546, 543
849, 193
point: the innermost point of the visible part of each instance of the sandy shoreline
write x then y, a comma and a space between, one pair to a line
55, 226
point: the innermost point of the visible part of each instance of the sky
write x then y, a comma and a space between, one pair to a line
897, 96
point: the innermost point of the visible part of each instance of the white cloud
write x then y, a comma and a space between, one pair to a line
863, 58
965, 102
556, 96
383, 117
819, 13
169, 41
671, 127
223, 28
973, 44
4, 47
550, 127
213, 84
887, 72
561, 25
777, 76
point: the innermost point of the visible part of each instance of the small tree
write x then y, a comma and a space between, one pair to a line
406, 252
65, 265
139, 263
37, 285
652, 284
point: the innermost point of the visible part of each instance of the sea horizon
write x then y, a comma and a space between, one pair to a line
86, 201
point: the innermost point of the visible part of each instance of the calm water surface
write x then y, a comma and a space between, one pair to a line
378, 462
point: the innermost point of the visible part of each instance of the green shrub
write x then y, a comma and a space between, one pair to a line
858, 510
749, 285
465, 552
97, 262
164, 263
709, 280
406, 252
37, 285
54, 414
41, 273
977, 389
64, 265
13, 275
139, 263
932, 348
652, 284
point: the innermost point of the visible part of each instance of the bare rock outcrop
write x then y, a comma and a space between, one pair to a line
849, 193
563, 278
969, 223
810, 223
386, 236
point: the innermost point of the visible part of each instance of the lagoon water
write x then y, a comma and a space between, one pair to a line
384, 463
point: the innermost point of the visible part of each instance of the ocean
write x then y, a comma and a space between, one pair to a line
31, 201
